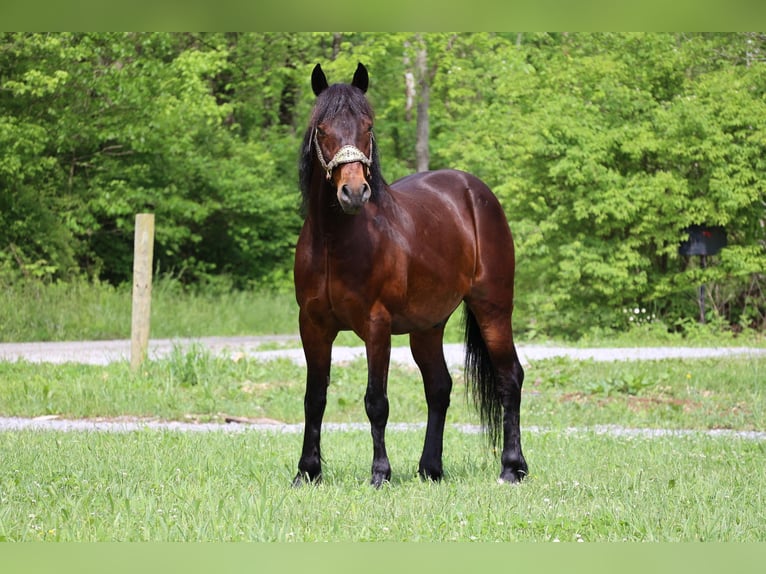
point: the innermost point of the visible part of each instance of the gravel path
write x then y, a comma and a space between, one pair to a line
104, 352
53, 423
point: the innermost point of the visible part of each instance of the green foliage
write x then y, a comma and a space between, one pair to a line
104, 126
603, 148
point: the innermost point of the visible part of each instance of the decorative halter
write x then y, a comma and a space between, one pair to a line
346, 154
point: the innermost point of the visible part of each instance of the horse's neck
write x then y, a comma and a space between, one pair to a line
327, 217
328, 222
332, 228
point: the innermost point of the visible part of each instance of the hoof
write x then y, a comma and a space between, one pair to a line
514, 470
378, 484
430, 475
512, 476
380, 478
304, 478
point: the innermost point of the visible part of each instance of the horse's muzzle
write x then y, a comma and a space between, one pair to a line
353, 189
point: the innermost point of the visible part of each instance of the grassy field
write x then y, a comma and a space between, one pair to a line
166, 486
196, 385
222, 486
585, 484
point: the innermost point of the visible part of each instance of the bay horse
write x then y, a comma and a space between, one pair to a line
383, 259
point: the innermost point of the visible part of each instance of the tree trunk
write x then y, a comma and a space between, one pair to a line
422, 128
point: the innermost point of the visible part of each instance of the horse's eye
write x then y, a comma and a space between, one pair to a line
320, 132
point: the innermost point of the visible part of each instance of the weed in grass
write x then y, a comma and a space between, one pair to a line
629, 384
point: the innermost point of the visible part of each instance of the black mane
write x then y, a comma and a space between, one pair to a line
330, 103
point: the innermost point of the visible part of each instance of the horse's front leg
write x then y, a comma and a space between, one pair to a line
317, 347
378, 345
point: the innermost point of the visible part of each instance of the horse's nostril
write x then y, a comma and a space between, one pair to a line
358, 195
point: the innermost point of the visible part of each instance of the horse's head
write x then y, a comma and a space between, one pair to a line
341, 137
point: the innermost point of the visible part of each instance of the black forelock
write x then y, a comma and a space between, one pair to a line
338, 98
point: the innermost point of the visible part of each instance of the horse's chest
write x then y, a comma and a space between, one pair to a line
362, 277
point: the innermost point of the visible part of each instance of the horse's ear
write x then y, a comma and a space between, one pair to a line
361, 79
318, 80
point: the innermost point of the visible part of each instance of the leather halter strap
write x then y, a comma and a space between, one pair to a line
346, 154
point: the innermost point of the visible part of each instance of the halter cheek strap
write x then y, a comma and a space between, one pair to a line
346, 154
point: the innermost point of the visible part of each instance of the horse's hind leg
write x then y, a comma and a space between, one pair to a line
494, 323
429, 355
514, 466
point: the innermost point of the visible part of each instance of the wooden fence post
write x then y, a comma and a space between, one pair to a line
143, 252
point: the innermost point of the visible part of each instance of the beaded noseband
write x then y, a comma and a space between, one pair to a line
346, 154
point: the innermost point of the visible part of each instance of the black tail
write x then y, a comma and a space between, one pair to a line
481, 379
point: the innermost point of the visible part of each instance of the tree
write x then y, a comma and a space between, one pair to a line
418, 87
123, 123
602, 148
619, 163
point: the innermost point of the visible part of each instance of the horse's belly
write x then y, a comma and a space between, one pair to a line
423, 319
426, 305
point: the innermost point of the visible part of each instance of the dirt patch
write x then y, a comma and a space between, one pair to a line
634, 403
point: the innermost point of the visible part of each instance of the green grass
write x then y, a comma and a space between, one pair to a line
86, 311
83, 311
221, 486
699, 393
197, 385
166, 486
688, 333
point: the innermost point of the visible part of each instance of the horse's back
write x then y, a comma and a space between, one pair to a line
447, 184
444, 181
468, 194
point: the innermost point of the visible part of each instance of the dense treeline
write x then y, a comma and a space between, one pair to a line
603, 148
